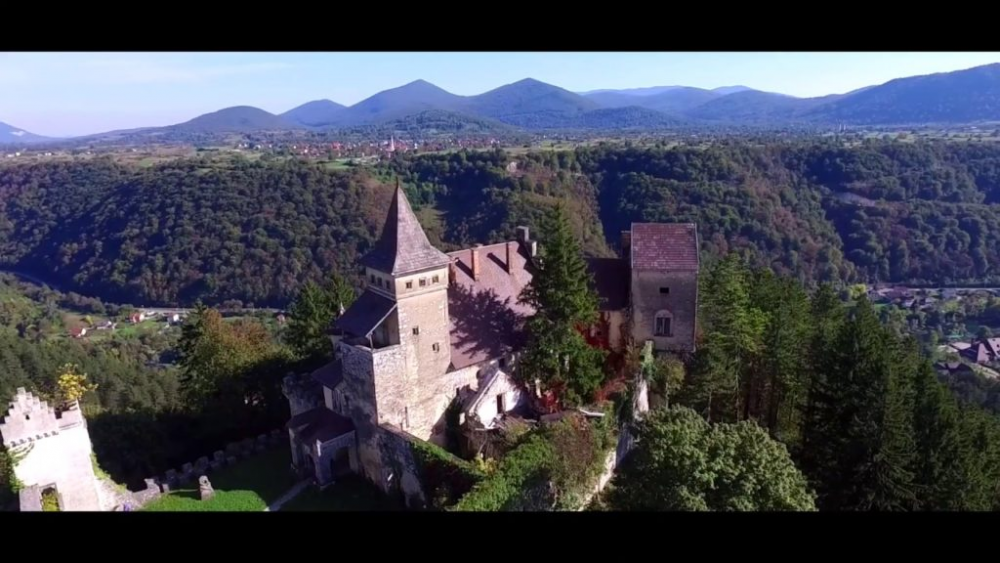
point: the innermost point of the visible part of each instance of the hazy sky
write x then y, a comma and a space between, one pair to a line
80, 93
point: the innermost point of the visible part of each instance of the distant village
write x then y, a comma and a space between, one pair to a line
963, 353
165, 318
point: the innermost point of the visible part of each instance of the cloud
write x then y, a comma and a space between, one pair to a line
134, 71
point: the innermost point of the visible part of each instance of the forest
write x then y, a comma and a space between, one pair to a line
821, 210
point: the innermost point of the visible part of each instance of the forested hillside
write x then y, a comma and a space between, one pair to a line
255, 231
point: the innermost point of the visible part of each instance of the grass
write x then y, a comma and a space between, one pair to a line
348, 494
248, 486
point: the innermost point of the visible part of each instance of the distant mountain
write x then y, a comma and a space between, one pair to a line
726, 90
675, 100
415, 97
751, 107
236, 119
962, 96
317, 113
649, 91
10, 135
432, 122
531, 104
631, 117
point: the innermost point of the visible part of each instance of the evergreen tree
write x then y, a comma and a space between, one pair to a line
859, 427
312, 312
817, 455
940, 477
785, 366
733, 331
561, 292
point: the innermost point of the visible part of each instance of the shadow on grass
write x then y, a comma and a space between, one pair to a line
248, 486
348, 494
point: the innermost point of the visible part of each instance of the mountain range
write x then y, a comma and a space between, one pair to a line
964, 96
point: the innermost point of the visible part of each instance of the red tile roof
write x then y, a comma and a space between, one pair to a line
664, 246
486, 318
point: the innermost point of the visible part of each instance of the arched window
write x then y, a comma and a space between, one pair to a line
663, 324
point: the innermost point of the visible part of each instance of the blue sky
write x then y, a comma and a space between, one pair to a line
65, 94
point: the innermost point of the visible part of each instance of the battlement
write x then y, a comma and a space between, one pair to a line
29, 419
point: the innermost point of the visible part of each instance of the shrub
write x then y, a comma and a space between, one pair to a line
444, 477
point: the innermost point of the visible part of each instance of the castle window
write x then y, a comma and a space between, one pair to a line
373, 278
436, 347
409, 285
665, 290
435, 279
423, 282
347, 403
416, 330
663, 326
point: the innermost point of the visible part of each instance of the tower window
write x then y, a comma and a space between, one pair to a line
665, 290
423, 282
373, 278
436, 347
416, 330
435, 279
663, 326
409, 285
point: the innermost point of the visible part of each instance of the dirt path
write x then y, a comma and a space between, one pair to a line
289, 495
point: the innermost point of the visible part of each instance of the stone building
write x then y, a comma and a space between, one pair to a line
432, 329
54, 451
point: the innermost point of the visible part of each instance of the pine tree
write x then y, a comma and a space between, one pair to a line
561, 292
733, 332
816, 453
940, 478
312, 312
858, 447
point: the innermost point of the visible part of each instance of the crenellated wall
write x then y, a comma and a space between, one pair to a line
56, 452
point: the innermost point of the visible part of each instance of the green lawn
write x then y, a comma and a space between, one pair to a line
347, 494
248, 486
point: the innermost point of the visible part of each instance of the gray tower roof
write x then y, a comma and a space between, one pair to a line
403, 247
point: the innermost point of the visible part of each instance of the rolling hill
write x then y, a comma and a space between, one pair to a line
532, 104
412, 98
965, 96
235, 119
962, 96
317, 113
10, 135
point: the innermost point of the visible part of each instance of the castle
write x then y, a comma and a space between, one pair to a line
431, 327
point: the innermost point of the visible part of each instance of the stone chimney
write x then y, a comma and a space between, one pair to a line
452, 273
510, 256
523, 235
475, 262
626, 244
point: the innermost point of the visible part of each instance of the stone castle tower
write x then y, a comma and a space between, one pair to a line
406, 271
56, 452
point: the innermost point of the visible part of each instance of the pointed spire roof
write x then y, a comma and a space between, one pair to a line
403, 247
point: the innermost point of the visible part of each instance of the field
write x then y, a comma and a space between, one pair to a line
255, 483
248, 486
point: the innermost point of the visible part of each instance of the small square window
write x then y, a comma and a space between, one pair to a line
436, 347
435, 279
409, 285
665, 290
416, 330
423, 282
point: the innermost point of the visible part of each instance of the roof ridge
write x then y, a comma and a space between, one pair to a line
403, 246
